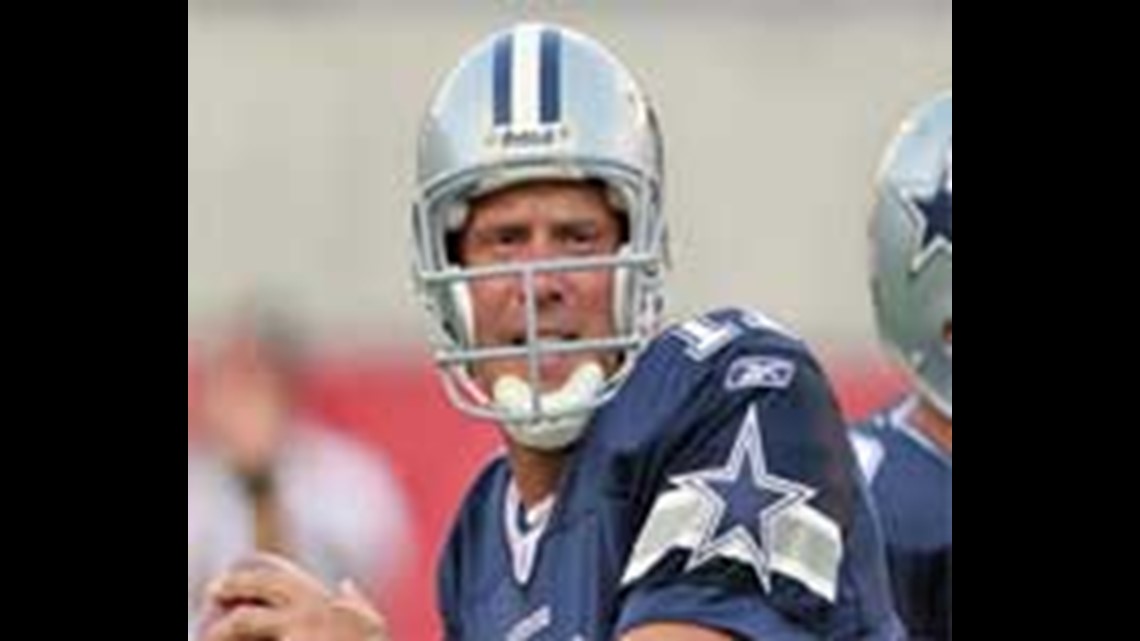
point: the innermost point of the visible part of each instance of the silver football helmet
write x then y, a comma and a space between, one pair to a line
538, 102
912, 233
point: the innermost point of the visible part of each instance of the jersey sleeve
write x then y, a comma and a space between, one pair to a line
755, 505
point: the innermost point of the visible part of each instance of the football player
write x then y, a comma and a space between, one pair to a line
907, 449
689, 483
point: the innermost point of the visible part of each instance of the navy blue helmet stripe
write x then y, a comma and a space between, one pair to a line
550, 79
504, 63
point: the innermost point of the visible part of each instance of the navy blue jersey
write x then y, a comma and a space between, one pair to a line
718, 489
912, 482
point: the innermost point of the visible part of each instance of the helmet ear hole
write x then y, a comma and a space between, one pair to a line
453, 243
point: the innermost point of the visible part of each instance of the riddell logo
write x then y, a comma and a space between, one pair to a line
528, 137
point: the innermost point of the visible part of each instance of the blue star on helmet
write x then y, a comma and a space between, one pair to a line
935, 217
746, 503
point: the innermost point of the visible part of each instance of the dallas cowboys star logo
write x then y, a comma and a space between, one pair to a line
746, 503
934, 216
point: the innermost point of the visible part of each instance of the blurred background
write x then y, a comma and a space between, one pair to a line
302, 118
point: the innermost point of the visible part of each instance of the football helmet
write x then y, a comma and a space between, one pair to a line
912, 234
538, 102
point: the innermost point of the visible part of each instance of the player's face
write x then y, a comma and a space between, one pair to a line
532, 222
